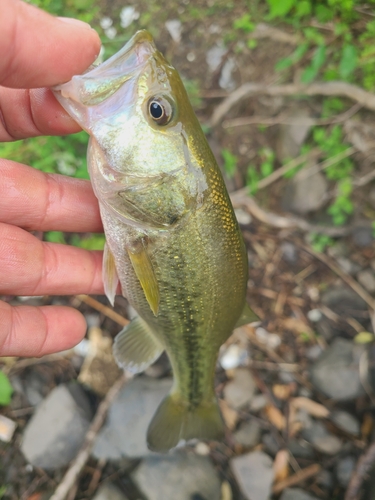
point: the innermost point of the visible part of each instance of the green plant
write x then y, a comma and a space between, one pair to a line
320, 242
266, 167
342, 207
6, 389
230, 162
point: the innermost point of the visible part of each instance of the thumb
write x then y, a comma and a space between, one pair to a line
39, 50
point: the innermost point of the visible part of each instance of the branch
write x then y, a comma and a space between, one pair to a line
335, 88
241, 199
364, 465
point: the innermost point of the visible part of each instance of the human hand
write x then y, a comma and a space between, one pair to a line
38, 51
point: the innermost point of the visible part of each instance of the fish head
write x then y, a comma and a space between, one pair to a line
136, 110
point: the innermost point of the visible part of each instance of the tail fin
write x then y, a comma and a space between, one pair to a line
174, 420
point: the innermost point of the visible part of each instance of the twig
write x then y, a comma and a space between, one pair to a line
79, 462
363, 467
287, 120
297, 478
358, 289
285, 222
107, 311
366, 99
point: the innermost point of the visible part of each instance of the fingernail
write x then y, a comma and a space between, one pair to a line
77, 22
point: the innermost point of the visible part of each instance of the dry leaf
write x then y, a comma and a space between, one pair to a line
275, 416
230, 416
311, 407
367, 426
281, 465
297, 326
283, 391
226, 491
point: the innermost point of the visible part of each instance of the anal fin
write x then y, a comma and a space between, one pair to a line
142, 266
135, 348
110, 277
247, 316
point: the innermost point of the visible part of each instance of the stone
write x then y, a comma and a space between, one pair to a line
346, 422
174, 28
258, 402
300, 448
56, 431
109, 491
292, 136
179, 475
239, 391
289, 252
254, 474
336, 372
367, 279
344, 470
271, 445
321, 439
296, 494
248, 434
124, 434
305, 192
363, 236
35, 388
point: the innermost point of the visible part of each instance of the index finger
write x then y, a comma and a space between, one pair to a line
39, 50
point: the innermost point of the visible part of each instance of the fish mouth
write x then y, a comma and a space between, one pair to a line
102, 81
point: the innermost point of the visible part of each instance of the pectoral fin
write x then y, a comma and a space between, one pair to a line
110, 277
142, 266
247, 316
136, 347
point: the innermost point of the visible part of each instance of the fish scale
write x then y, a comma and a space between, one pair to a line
173, 241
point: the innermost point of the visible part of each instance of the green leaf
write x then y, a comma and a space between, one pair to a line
303, 8
230, 162
348, 63
279, 8
317, 62
55, 237
6, 390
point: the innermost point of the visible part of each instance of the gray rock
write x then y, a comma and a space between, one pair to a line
325, 479
300, 448
296, 494
346, 422
289, 252
348, 265
363, 236
305, 193
57, 429
258, 402
345, 469
248, 434
341, 299
270, 443
336, 372
109, 491
124, 434
35, 388
293, 136
321, 439
254, 474
179, 476
367, 279
239, 391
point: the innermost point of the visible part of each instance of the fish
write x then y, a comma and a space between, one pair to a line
172, 238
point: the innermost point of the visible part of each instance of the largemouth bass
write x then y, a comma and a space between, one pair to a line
173, 241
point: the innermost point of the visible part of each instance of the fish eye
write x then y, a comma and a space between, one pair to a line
160, 110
